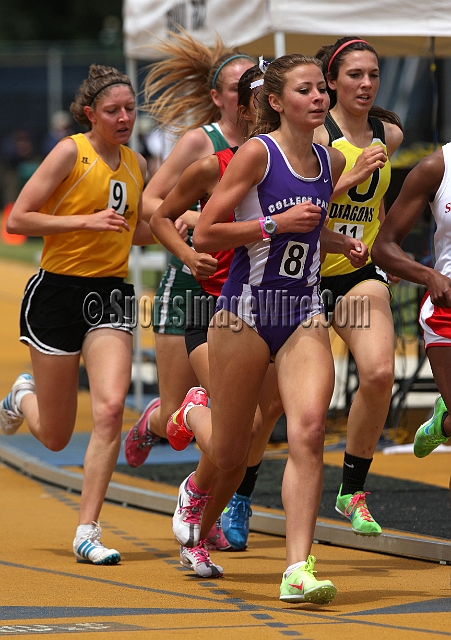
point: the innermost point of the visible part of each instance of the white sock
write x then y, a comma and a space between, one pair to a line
19, 395
293, 567
84, 529
189, 406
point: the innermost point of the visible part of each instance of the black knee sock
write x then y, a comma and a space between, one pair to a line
355, 471
445, 415
250, 478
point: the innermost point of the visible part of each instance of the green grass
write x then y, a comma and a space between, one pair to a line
26, 252
30, 251
151, 279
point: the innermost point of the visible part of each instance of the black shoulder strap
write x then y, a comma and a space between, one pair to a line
332, 129
378, 128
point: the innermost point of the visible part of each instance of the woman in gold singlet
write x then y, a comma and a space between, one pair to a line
85, 200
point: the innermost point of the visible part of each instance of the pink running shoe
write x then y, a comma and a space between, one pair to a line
216, 540
140, 440
198, 559
178, 434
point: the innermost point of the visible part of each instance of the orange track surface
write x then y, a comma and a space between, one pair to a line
44, 591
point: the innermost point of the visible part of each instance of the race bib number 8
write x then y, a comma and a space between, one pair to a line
350, 230
293, 260
118, 196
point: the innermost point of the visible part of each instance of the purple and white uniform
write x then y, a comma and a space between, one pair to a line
273, 286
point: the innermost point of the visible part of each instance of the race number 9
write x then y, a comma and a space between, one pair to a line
293, 260
118, 196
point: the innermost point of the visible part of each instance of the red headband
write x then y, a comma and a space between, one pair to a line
340, 48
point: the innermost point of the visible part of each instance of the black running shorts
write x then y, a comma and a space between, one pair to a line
58, 311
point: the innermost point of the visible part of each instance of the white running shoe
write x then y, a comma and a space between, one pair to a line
198, 559
187, 518
11, 417
89, 548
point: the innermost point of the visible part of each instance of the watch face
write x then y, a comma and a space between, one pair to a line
270, 226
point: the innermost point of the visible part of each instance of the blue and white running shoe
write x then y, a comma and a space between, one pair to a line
89, 548
235, 520
11, 417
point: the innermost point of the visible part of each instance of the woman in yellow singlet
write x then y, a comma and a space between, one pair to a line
358, 300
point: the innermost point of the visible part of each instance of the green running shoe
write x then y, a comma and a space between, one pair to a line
430, 435
302, 586
354, 507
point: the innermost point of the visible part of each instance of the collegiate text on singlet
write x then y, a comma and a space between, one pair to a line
289, 259
355, 213
93, 186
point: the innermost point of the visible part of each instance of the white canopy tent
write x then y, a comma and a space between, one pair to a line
275, 27
269, 27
